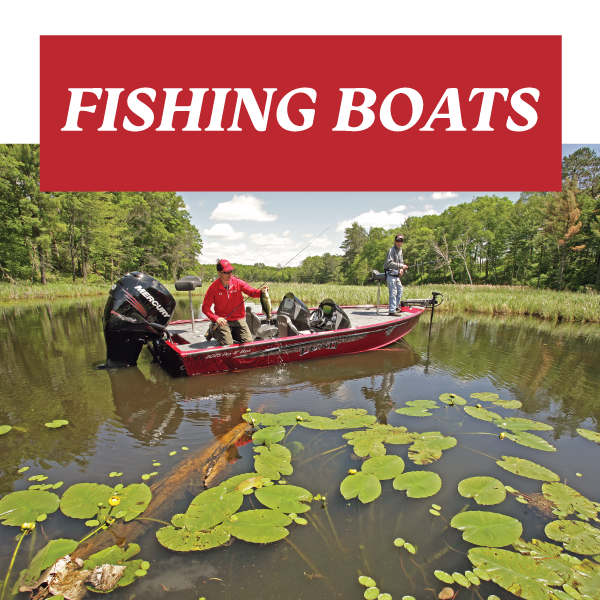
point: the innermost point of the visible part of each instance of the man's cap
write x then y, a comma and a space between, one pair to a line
399, 238
224, 265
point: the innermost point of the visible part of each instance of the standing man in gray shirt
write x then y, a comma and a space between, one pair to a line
394, 268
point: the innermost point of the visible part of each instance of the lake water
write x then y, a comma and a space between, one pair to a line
124, 421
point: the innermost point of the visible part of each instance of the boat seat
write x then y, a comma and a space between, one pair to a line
287, 328
252, 320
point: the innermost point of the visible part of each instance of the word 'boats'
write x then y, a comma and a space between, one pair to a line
139, 310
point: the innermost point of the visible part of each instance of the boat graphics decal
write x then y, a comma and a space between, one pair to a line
152, 301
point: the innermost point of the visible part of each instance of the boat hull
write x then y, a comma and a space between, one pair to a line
277, 351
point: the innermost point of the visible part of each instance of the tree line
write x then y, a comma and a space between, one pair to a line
94, 236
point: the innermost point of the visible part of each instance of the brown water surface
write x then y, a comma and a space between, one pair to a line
122, 421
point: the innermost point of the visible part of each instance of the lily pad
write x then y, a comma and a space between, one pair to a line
472, 577
414, 411
4, 429
451, 399
366, 581
530, 440
260, 526
274, 461
283, 419
231, 483
443, 576
45, 558
507, 403
485, 396
116, 555
589, 435
269, 435
461, 579
364, 485
526, 468
286, 498
371, 593
425, 456
487, 528
423, 403
482, 414
409, 548
369, 447
384, 467
576, 536
134, 500
322, 423
520, 575
484, 490
587, 578
569, 500
80, 501
211, 507
56, 423
432, 440
26, 506
182, 540
418, 484
519, 424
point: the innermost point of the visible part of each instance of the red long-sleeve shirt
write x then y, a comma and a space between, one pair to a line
227, 301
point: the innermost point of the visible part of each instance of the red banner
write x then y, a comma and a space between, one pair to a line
310, 113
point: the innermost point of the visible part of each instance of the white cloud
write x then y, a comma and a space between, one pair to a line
271, 240
242, 208
429, 207
443, 195
286, 232
223, 231
184, 207
307, 235
400, 208
385, 219
200, 202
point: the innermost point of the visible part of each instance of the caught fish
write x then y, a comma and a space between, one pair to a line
265, 302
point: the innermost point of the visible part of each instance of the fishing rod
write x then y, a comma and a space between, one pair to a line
423, 263
213, 326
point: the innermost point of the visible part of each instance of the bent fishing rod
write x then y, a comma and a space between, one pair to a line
213, 326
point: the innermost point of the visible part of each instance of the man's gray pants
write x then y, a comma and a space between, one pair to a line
233, 332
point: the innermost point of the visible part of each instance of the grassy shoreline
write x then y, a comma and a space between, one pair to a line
482, 299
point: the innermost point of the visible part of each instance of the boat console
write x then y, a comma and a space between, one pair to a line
329, 316
293, 316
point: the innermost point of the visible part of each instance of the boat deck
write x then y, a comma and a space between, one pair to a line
360, 316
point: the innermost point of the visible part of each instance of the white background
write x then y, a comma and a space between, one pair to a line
21, 24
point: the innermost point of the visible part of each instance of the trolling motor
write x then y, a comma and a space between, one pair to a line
137, 311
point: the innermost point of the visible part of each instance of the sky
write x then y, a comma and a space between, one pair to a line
248, 227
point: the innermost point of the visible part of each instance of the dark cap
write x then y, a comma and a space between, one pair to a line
399, 238
224, 265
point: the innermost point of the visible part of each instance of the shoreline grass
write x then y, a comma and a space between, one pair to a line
482, 299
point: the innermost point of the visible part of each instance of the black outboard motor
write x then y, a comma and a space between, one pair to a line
138, 309
329, 316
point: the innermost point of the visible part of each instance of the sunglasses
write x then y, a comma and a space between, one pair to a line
227, 272
399, 240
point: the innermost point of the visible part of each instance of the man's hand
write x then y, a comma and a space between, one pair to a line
221, 321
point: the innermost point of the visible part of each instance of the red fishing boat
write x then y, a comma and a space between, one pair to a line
139, 308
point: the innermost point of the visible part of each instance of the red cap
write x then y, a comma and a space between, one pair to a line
224, 265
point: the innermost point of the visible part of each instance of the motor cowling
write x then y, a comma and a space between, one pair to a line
138, 310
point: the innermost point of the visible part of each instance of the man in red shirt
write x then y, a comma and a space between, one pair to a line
225, 294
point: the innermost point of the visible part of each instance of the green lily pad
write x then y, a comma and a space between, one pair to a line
366, 581
409, 548
472, 578
286, 498
211, 507
399, 542
369, 447
300, 521
452, 399
91, 523
322, 423
384, 597
45, 558
507, 403
461, 579
56, 423
576, 536
182, 540
414, 411
487, 528
4, 429
295, 448
134, 500
530, 440
418, 484
371, 593
80, 501
485, 396
364, 485
23, 469
273, 461
26, 506
526, 468
269, 435
423, 403
484, 490
260, 526
569, 500
482, 414
443, 576
589, 435
482, 574
432, 440
384, 467
424, 456
520, 575
231, 483
587, 578
519, 424
117, 556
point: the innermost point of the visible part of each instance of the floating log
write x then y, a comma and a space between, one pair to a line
202, 467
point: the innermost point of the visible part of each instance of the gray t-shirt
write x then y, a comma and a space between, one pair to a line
394, 259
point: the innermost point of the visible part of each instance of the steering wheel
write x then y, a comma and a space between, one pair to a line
316, 317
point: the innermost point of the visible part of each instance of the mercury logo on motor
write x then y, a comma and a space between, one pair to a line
152, 301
